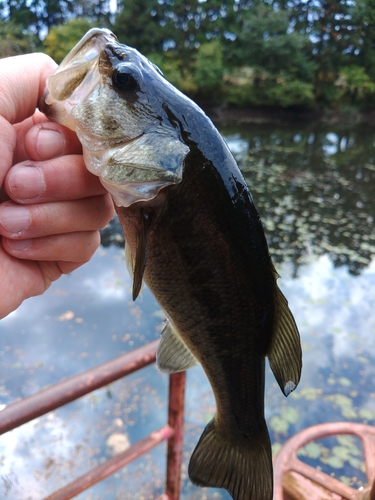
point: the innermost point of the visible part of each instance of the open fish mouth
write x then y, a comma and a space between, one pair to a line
100, 90
74, 67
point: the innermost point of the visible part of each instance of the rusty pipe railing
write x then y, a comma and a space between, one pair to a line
72, 388
112, 465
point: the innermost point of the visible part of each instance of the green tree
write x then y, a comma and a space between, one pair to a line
364, 19
61, 39
208, 71
202, 78
19, 12
139, 25
179, 26
264, 40
335, 44
14, 40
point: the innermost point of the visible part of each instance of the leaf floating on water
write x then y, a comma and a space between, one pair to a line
346, 440
341, 452
339, 399
309, 393
312, 450
345, 381
362, 359
367, 414
279, 425
345, 404
290, 414
348, 412
334, 462
346, 480
356, 463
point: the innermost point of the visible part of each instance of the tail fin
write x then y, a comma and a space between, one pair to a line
243, 467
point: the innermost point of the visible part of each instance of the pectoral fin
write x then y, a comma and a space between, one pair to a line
173, 355
140, 256
285, 354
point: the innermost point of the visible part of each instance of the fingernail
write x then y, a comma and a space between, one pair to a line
19, 244
14, 219
49, 143
26, 183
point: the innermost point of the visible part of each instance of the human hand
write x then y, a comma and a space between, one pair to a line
51, 207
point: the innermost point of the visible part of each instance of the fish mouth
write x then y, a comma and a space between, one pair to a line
61, 90
90, 45
74, 67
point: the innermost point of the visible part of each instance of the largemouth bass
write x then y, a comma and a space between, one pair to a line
194, 236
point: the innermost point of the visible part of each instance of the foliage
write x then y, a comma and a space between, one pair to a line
256, 87
356, 85
61, 39
293, 52
265, 41
14, 40
208, 70
202, 78
138, 25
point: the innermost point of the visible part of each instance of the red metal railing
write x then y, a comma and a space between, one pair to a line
72, 388
295, 479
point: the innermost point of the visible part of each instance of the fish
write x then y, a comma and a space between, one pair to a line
194, 236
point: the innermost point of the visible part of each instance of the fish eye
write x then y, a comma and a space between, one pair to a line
124, 78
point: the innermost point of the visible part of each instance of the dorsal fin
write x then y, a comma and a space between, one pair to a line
285, 353
140, 255
173, 355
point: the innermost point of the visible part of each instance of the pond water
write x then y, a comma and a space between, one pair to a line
314, 189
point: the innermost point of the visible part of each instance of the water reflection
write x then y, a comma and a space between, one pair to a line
313, 188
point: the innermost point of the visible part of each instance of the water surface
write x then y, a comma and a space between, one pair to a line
313, 186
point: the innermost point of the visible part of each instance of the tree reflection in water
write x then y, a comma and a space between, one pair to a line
314, 190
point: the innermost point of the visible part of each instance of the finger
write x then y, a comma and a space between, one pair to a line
72, 248
8, 140
63, 178
35, 221
48, 140
23, 79
40, 139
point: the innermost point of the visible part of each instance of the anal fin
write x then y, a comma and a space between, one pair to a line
285, 353
173, 355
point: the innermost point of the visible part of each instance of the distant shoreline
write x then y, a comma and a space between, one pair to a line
227, 115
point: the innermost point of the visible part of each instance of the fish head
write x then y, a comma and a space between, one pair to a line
114, 98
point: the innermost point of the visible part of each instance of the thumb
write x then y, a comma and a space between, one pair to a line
22, 81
